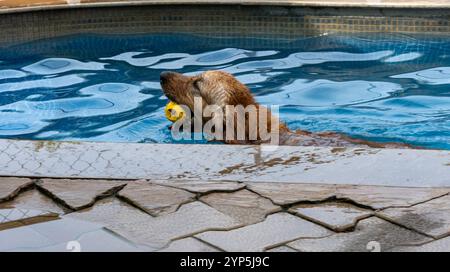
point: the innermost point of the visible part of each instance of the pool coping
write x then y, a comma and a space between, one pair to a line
243, 163
288, 3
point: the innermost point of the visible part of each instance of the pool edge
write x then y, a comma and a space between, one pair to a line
243, 163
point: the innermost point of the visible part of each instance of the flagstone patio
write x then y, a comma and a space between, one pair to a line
42, 214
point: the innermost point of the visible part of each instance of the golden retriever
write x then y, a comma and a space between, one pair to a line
223, 89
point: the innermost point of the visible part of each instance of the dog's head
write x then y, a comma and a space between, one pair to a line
213, 87
218, 88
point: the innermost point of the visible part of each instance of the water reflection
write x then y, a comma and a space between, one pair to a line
106, 88
307, 58
432, 76
53, 66
302, 92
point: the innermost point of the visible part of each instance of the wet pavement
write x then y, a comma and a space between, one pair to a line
156, 197
288, 164
45, 214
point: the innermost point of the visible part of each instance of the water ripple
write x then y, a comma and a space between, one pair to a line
299, 59
324, 93
165, 61
51, 82
106, 88
11, 74
53, 66
432, 76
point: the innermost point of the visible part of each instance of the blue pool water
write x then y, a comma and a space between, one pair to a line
106, 88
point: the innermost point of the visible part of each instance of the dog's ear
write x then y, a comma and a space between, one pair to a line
240, 94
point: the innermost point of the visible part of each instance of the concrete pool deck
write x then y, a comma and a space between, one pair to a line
234, 198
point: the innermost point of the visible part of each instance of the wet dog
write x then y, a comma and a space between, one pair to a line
223, 89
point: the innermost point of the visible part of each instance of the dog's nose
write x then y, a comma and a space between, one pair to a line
163, 77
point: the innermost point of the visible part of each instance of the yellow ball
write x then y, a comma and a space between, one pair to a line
173, 111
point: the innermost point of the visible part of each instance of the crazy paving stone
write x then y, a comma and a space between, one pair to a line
190, 219
188, 245
10, 187
109, 211
379, 197
289, 193
431, 217
441, 245
65, 229
79, 194
155, 199
100, 240
369, 233
277, 229
244, 206
22, 238
336, 216
45, 234
11, 218
33, 199
199, 186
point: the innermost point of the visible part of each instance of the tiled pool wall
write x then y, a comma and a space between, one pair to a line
283, 23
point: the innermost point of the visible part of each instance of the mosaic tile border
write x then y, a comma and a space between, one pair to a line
11, 6
268, 22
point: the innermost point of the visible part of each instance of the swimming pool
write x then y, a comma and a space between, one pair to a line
89, 87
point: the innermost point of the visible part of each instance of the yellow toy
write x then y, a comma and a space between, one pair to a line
173, 111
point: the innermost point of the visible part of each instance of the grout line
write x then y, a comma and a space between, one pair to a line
415, 204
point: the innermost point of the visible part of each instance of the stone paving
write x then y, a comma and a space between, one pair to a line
44, 214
